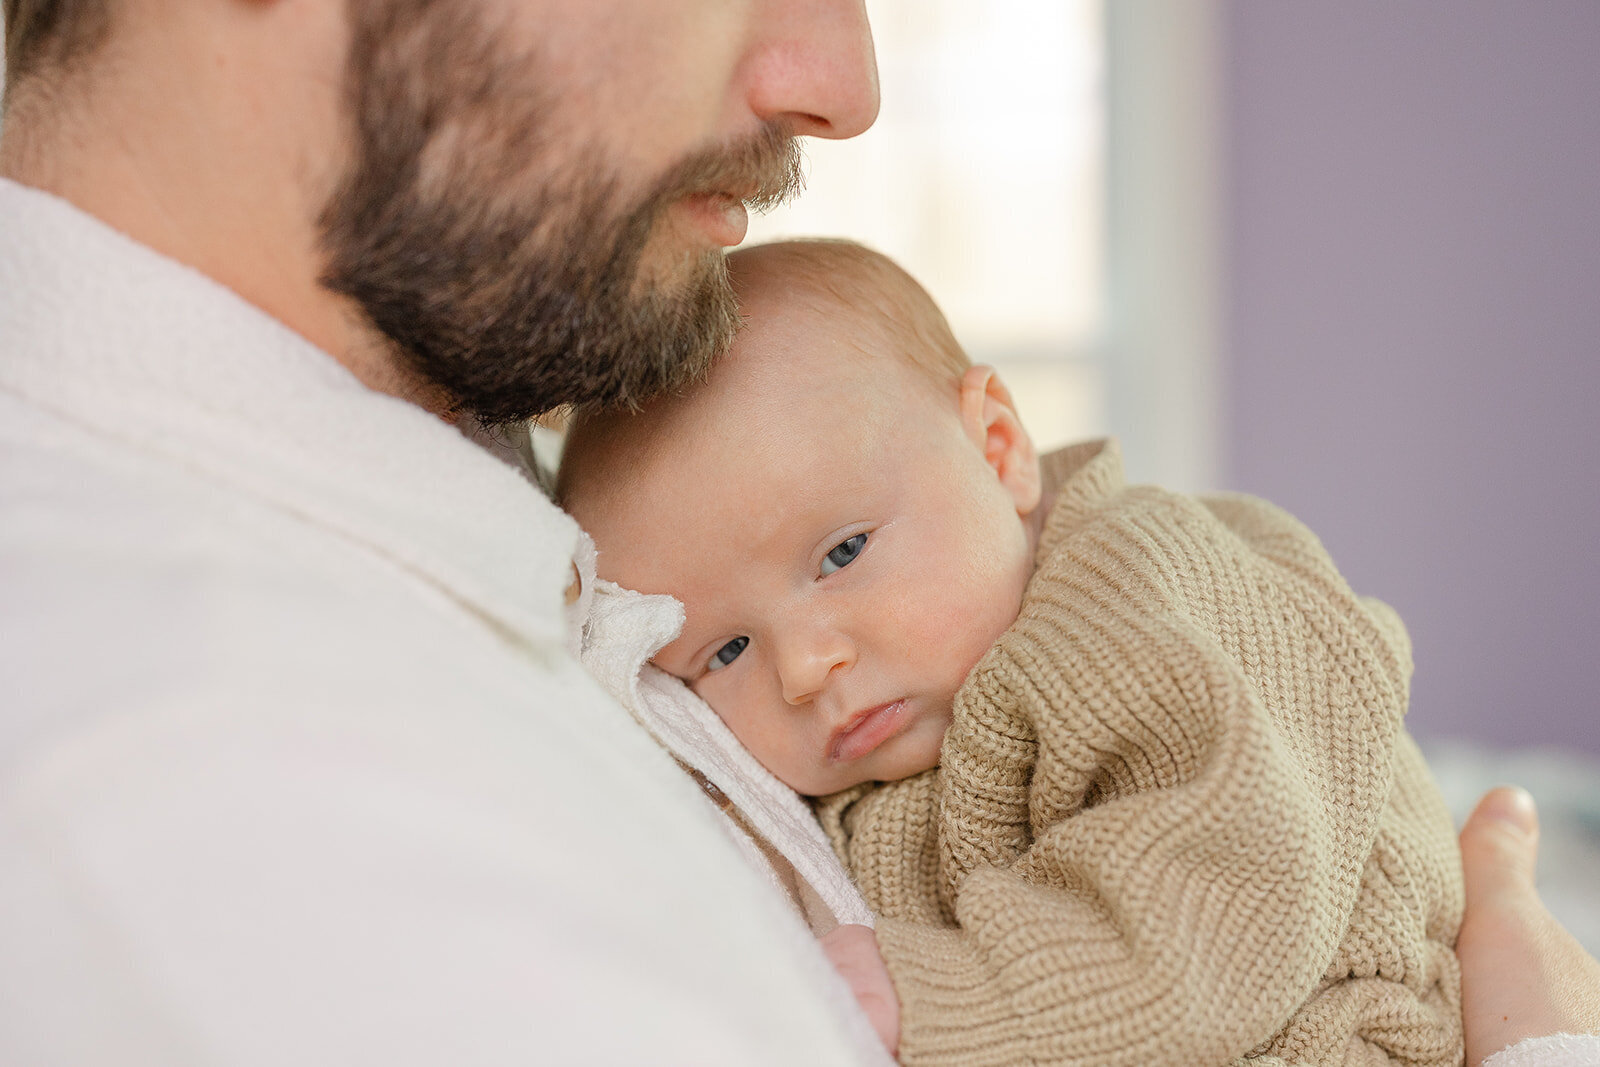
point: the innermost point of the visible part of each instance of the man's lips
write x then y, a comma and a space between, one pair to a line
722, 216
865, 731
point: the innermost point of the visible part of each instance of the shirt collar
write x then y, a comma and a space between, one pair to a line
153, 356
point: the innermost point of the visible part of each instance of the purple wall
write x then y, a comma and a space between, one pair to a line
1412, 343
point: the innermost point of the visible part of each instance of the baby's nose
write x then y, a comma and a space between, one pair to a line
805, 663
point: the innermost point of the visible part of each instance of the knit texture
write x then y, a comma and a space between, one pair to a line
1176, 820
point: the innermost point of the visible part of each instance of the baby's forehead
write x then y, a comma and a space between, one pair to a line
843, 290
767, 408
828, 328
614, 461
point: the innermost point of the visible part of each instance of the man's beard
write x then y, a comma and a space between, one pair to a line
503, 268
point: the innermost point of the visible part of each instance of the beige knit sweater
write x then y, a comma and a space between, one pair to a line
1177, 820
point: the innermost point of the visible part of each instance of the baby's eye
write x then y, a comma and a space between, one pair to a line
843, 553
727, 653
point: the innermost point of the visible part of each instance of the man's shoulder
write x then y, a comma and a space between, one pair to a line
88, 521
133, 583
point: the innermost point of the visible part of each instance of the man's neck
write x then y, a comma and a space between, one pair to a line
162, 159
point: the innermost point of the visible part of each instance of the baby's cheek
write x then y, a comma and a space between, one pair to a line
954, 629
761, 725
983, 610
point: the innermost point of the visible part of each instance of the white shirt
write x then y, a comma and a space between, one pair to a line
295, 764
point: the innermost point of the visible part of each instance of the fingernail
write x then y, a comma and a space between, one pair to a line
1512, 805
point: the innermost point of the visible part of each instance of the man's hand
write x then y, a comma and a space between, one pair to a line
1522, 974
853, 951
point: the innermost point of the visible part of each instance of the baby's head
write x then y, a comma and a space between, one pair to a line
843, 509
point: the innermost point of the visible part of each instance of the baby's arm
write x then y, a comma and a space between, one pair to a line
853, 951
1190, 844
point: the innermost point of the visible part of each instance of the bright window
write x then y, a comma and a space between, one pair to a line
984, 177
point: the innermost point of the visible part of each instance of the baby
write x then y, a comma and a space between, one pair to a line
1121, 771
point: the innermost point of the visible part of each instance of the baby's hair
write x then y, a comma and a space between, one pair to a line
836, 278
867, 284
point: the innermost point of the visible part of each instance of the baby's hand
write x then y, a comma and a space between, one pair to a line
853, 951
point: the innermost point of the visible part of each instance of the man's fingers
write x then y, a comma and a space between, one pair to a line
1500, 843
1522, 974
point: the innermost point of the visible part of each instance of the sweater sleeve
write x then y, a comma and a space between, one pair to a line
1157, 797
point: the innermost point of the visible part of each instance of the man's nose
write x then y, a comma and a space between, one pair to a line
806, 660
812, 67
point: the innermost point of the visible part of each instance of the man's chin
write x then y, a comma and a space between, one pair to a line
656, 342
671, 272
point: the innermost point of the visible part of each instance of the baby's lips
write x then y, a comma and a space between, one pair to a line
863, 733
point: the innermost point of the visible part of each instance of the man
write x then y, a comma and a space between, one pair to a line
298, 765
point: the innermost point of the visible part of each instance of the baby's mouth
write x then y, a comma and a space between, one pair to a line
863, 732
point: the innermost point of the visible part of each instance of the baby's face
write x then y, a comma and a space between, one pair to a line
844, 550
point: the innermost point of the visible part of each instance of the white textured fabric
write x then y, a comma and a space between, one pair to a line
624, 630
296, 765
1557, 1050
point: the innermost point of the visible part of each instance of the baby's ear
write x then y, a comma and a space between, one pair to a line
990, 419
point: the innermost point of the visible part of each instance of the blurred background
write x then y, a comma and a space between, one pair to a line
1409, 326
1344, 255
